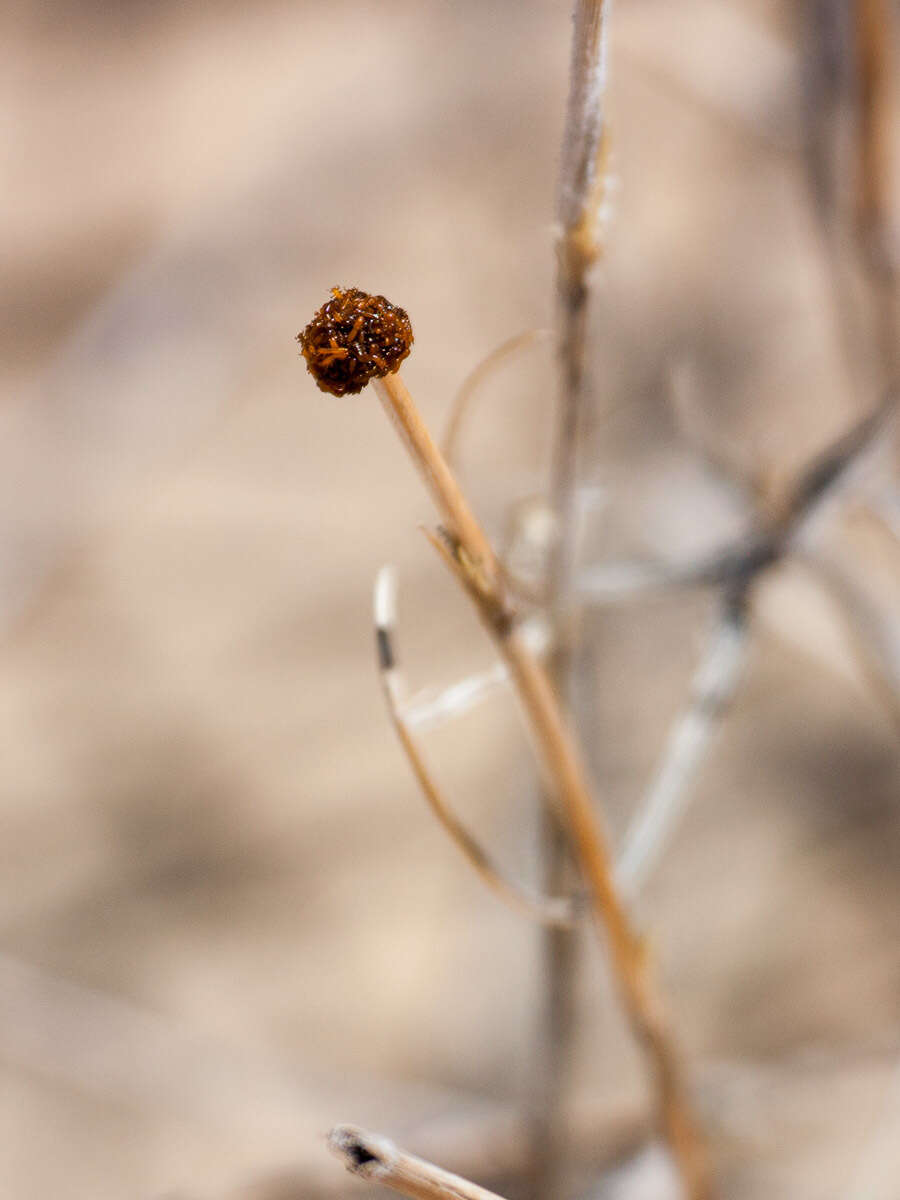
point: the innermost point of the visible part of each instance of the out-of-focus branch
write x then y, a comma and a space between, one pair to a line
783, 530
822, 478
759, 548
432, 707
581, 211
712, 688
851, 66
624, 579
876, 68
377, 1160
476, 379
582, 198
874, 643
583, 179
827, 34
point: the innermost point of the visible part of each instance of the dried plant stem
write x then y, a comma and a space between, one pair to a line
851, 73
582, 176
876, 61
582, 184
547, 910
477, 569
438, 477
559, 950
557, 1027
475, 380
378, 1160
875, 57
582, 194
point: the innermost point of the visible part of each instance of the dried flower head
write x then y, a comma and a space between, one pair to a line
353, 338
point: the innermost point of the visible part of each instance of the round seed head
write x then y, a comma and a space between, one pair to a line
354, 337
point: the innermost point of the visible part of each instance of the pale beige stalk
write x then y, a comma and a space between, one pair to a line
581, 209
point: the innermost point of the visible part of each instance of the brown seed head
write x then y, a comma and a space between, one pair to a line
353, 338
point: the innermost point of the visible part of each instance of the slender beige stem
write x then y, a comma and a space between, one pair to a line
377, 1160
580, 203
557, 1028
475, 565
582, 175
583, 188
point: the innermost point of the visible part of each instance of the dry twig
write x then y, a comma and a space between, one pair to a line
875, 51
581, 209
476, 379
377, 1160
468, 553
546, 910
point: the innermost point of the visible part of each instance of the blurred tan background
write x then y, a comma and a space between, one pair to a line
226, 919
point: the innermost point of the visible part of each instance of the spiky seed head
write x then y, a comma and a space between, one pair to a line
353, 338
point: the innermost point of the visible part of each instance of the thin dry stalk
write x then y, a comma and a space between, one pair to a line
582, 176
583, 187
476, 567
580, 204
853, 68
876, 46
476, 379
377, 1160
439, 479
546, 910
877, 94
845, 119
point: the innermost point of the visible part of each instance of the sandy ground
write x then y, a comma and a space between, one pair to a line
226, 920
